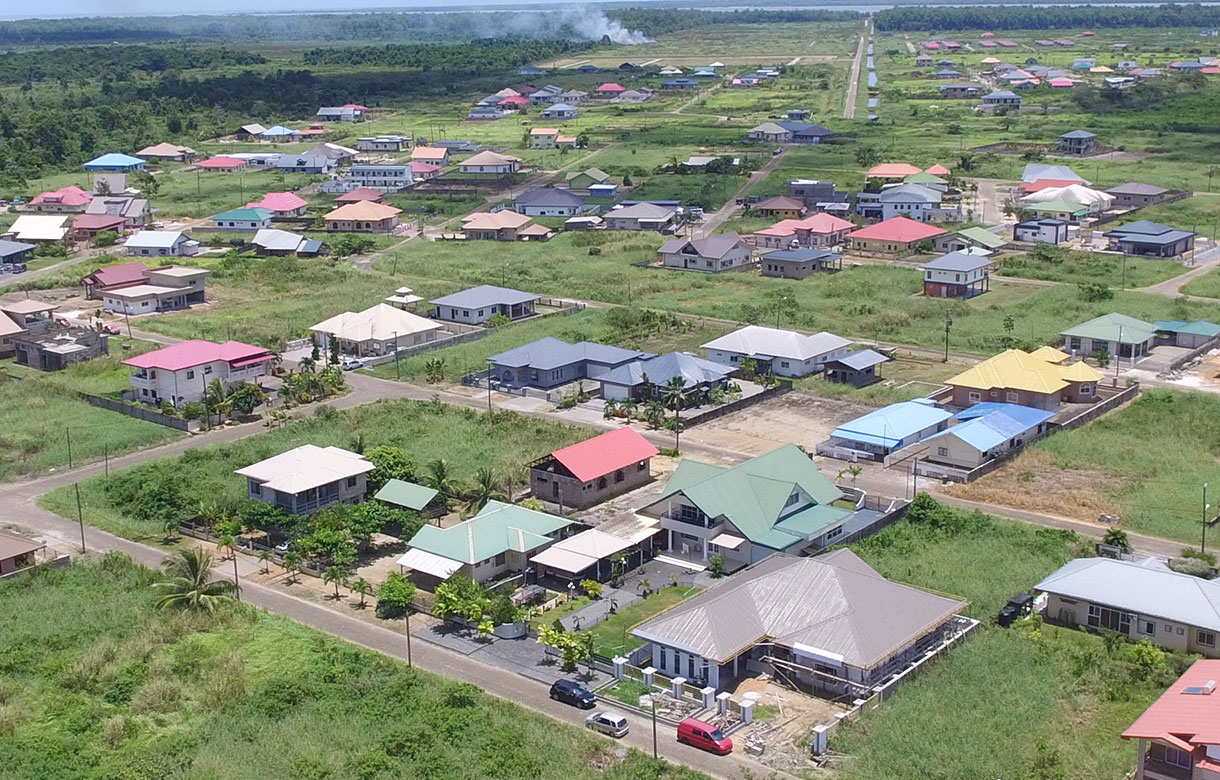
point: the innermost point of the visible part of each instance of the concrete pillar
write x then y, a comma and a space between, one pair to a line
649, 673
820, 738
722, 701
747, 711
620, 667
676, 686
708, 695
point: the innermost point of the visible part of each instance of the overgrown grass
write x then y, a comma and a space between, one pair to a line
425, 431
105, 685
1113, 270
613, 635
1206, 286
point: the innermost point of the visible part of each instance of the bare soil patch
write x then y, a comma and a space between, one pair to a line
1035, 483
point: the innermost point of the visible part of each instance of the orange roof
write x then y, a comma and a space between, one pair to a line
900, 229
429, 153
818, 223
545, 131
893, 171
1185, 720
365, 209
1042, 184
484, 220
939, 170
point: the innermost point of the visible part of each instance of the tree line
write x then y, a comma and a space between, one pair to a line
87, 63
1031, 17
477, 56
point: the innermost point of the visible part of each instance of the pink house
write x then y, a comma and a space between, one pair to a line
178, 374
282, 205
820, 231
65, 200
610, 89
222, 164
1178, 736
425, 170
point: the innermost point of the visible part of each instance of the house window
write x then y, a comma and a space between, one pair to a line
783, 364
1206, 638
792, 499
942, 451
619, 476
351, 482
1147, 627
1176, 757
1112, 619
661, 657
834, 533
641, 466
601, 483
690, 666
1074, 344
975, 397
501, 558
207, 370
1011, 396
1086, 389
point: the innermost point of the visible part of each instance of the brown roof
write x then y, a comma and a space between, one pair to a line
781, 203
489, 158
11, 546
359, 194
365, 209
429, 153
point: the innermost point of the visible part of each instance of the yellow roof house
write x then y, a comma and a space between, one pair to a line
1015, 376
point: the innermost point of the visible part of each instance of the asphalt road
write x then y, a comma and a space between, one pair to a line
853, 83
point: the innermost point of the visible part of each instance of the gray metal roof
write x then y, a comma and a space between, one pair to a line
485, 295
834, 605
660, 370
275, 239
957, 261
1136, 188
548, 353
10, 248
1152, 590
910, 193
712, 246
774, 342
862, 359
549, 196
801, 255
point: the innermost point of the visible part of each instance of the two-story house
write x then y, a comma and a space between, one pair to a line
1176, 736
305, 479
179, 373
956, 275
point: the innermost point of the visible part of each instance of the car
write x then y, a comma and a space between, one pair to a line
6, 268
609, 723
574, 694
62, 322
110, 328
704, 736
351, 364
776, 151
19, 268
283, 546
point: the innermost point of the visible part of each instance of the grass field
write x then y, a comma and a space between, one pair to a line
42, 411
1113, 270
504, 442
992, 701
1146, 462
1206, 286
613, 635
105, 685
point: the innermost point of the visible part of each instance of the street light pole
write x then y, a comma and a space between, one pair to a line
236, 581
1203, 538
397, 368
489, 372
407, 620
80, 516
652, 697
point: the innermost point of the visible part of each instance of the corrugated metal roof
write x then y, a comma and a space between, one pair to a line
889, 425
774, 342
497, 528
406, 494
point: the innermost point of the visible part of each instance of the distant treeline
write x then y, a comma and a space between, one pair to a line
477, 56
656, 21
1045, 17
86, 63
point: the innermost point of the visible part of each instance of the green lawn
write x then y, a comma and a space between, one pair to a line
991, 701
1093, 469
1113, 270
1200, 213
613, 635
502, 441
42, 411
104, 685
1206, 286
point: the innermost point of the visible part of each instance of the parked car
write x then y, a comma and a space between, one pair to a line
19, 268
283, 546
609, 723
110, 328
574, 694
62, 322
351, 364
704, 736
1017, 607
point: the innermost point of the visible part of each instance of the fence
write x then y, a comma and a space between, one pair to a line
141, 412
428, 346
783, 386
198, 531
1097, 409
1178, 362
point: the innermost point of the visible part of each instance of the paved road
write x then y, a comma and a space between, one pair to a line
990, 210
853, 82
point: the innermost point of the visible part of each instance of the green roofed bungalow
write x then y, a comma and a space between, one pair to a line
1191, 335
499, 540
925, 178
968, 239
256, 218
1059, 209
408, 495
1117, 334
777, 502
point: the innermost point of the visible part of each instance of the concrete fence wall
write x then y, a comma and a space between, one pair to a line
140, 412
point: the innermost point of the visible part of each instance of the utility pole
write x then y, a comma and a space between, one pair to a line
397, 368
1206, 506
407, 621
68, 433
652, 697
948, 325
80, 516
236, 581
489, 370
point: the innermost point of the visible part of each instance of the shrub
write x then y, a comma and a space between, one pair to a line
498, 320
394, 596
1192, 566
1190, 552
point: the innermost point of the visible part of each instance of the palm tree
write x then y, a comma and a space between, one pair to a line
293, 563
487, 487
307, 365
171, 529
335, 575
217, 399
439, 478
363, 587
228, 544
190, 582
265, 557
675, 398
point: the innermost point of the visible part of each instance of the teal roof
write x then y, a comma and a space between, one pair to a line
406, 494
496, 529
1109, 327
1197, 328
983, 236
753, 495
256, 214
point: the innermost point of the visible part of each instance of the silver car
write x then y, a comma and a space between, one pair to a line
609, 723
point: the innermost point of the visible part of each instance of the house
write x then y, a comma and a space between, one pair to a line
915, 201
13, 252
549, 202
529, 70
167, 152
1044, 230
587, 68
798, 263
243, 219
1144, 600
572, 97
491, 163
896, 236
641, 216
609, 90
595, 554
17, 553
972, 239
545, 138
1095, 201
858, 368
633, 96
122, 163
1077, 142
1191, 335
503, 225
426, 501
114, 277
361, 193
1058, 208
1136, 194
702, 163
282, 205
645, 379
437, 155
135, 212
550, 362
58, 349
780, 206
383, 178
1116, 334
477, 305
680, 83
961, 90
581, 181
560, 111
305, 163
65, 200
929, 180
364, 216
378, 330
223, 164
179, 373
250, 131
1061, 174
1041, 380
805, 133
892, 171
486, 113
820, 231
987, 431
39, 228
1150, 239
271, 242
923, 61
161, 243
775, 351
1175, 737
957, 275
383, 143
307, 478
725, 252
164, 289
770, 132
19, 318
830, 623
87, 226
499, 540
889, 429
276, 134
593, 471
338, 114
776, 502
812, 192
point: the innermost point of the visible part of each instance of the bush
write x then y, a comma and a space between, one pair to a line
106, 238
1190, 552
1192, 566
394, 596
498, 320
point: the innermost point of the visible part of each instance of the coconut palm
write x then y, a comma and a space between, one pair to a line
294, 563
265, 557
335, 575
487, 487
363, 587
190, 582
674, 398
440, 479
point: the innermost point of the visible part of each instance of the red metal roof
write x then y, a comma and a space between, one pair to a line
220, 162
605, 454
515, 100
196, 352
279, 201
1041, 184
938, 170
611, 87
900, 229
127, 273
68, 196
420, 166
1179, 717
363, 193
98, 222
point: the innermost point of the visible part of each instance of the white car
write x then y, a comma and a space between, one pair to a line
351, 364
609, 723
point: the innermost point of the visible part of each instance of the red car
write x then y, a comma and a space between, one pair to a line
62, 322
113, 330
704, 736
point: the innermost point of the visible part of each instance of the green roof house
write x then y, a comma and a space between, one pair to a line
408, 495
777, 502
256, 218
969, 238
1117, 334
498, 540
583, 180
1059, 209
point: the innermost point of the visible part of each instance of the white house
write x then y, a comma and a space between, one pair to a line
161, 243
725, 252
178, 374
165, 289
378, 330
243, 219
383, 143
1047, 231
308, 478
490, 163
912, 200
776, 351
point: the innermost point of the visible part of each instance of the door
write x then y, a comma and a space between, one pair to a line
554, 490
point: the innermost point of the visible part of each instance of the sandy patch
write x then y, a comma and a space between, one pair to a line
1034, 482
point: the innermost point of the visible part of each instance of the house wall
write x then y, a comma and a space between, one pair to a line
780, 213
499, 170
782, 366
342, 491
964, 397
1135, 201
362, 226
185, 385
734, 259
543, 141
916, 210
673, 662
543, 380
547, 211
183, 248
1169, 634
1050, 234
574, 494
1086, 347
479, 316
872, 246
239, 224
786, 270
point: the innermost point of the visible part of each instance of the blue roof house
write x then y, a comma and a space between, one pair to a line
985, 432
115, 162
551, 362
886, 430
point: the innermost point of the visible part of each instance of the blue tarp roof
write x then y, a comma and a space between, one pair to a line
114, 159
890, 425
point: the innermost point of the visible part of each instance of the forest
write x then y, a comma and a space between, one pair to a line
1032, 17
86, 63
477, 56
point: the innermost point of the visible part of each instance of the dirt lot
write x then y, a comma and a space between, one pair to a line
783, 719
1032, 481
796, 418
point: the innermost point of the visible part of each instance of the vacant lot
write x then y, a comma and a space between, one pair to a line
1113, 270
105, 685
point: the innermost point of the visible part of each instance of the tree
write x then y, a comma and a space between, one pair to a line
1118, 538
294, 564
217, 398
440, 479
592, 588
190, 582
486, 487
335, 575
227, 543
394, 596
654, 413
308, 364
1102, 356
363, 587
105, 238
146, 183
675, 399
390, 463
264, 558
170, 526
245, 397
866, 156
715, 565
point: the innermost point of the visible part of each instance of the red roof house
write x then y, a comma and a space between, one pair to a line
1179, 735
197, 352
594, 470
610, 88
514, 101
425, 170
820, 231
89, 225
362, 193
114, 277
894, 236
1029, 187
939, 170
221, 163
281, 204
178, 374
64, 199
